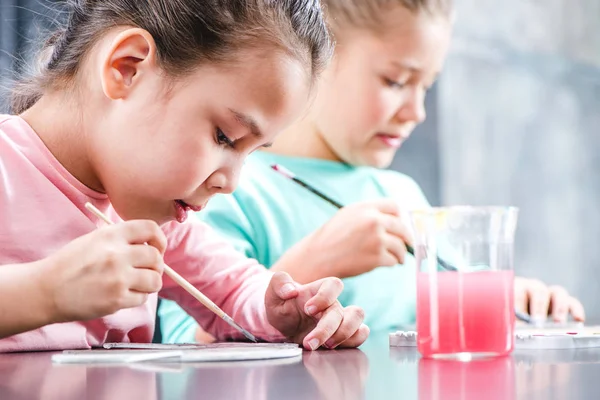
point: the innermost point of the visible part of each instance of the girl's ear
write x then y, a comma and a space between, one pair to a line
132, 53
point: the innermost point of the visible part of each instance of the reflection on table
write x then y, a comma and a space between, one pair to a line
375, 371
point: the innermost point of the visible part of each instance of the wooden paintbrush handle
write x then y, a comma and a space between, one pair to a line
180, 280
191, 289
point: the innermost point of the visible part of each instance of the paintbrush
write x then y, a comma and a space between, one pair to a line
290, 175
444, 264
181, 281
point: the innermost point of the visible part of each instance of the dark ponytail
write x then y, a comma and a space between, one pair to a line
186, 33
28, 90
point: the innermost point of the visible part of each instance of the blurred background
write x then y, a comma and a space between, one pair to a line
513, 120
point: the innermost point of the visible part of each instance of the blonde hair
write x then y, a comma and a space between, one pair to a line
368, 13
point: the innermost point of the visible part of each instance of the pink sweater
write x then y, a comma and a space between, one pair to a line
42, 209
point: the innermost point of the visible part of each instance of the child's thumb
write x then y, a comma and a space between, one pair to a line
281, 288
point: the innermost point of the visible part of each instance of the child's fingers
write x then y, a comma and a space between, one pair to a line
144, 280
144, 231
562, 304
281, 288
395, 226
327, 292
539, 299
351, 322
577, 310
520, 296
358, 338
388, 260
387, 206
142, 256
326, 327
133, 299
396, 248
559, 302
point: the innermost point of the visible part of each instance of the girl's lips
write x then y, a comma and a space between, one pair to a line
390, 140
196, 208
180, 211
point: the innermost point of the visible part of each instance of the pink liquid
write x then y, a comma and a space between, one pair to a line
468, 313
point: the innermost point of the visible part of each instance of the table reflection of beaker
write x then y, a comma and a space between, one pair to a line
490, 379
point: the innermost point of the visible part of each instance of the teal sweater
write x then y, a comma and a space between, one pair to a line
269, 213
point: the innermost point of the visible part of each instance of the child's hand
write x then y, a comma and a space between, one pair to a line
358, 239
539, 301
105, 271
311, 315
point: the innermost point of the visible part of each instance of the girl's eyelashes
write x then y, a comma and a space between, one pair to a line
402, 84
222, 139
393, 84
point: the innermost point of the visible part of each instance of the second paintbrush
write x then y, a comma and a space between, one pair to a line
290, 175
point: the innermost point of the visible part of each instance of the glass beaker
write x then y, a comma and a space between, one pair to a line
465, 295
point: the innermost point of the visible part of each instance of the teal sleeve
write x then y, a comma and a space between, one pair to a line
227, 218
175, 324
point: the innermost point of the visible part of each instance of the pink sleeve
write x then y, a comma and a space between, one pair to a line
233, 282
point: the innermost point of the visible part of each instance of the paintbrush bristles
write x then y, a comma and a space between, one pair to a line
188, 287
